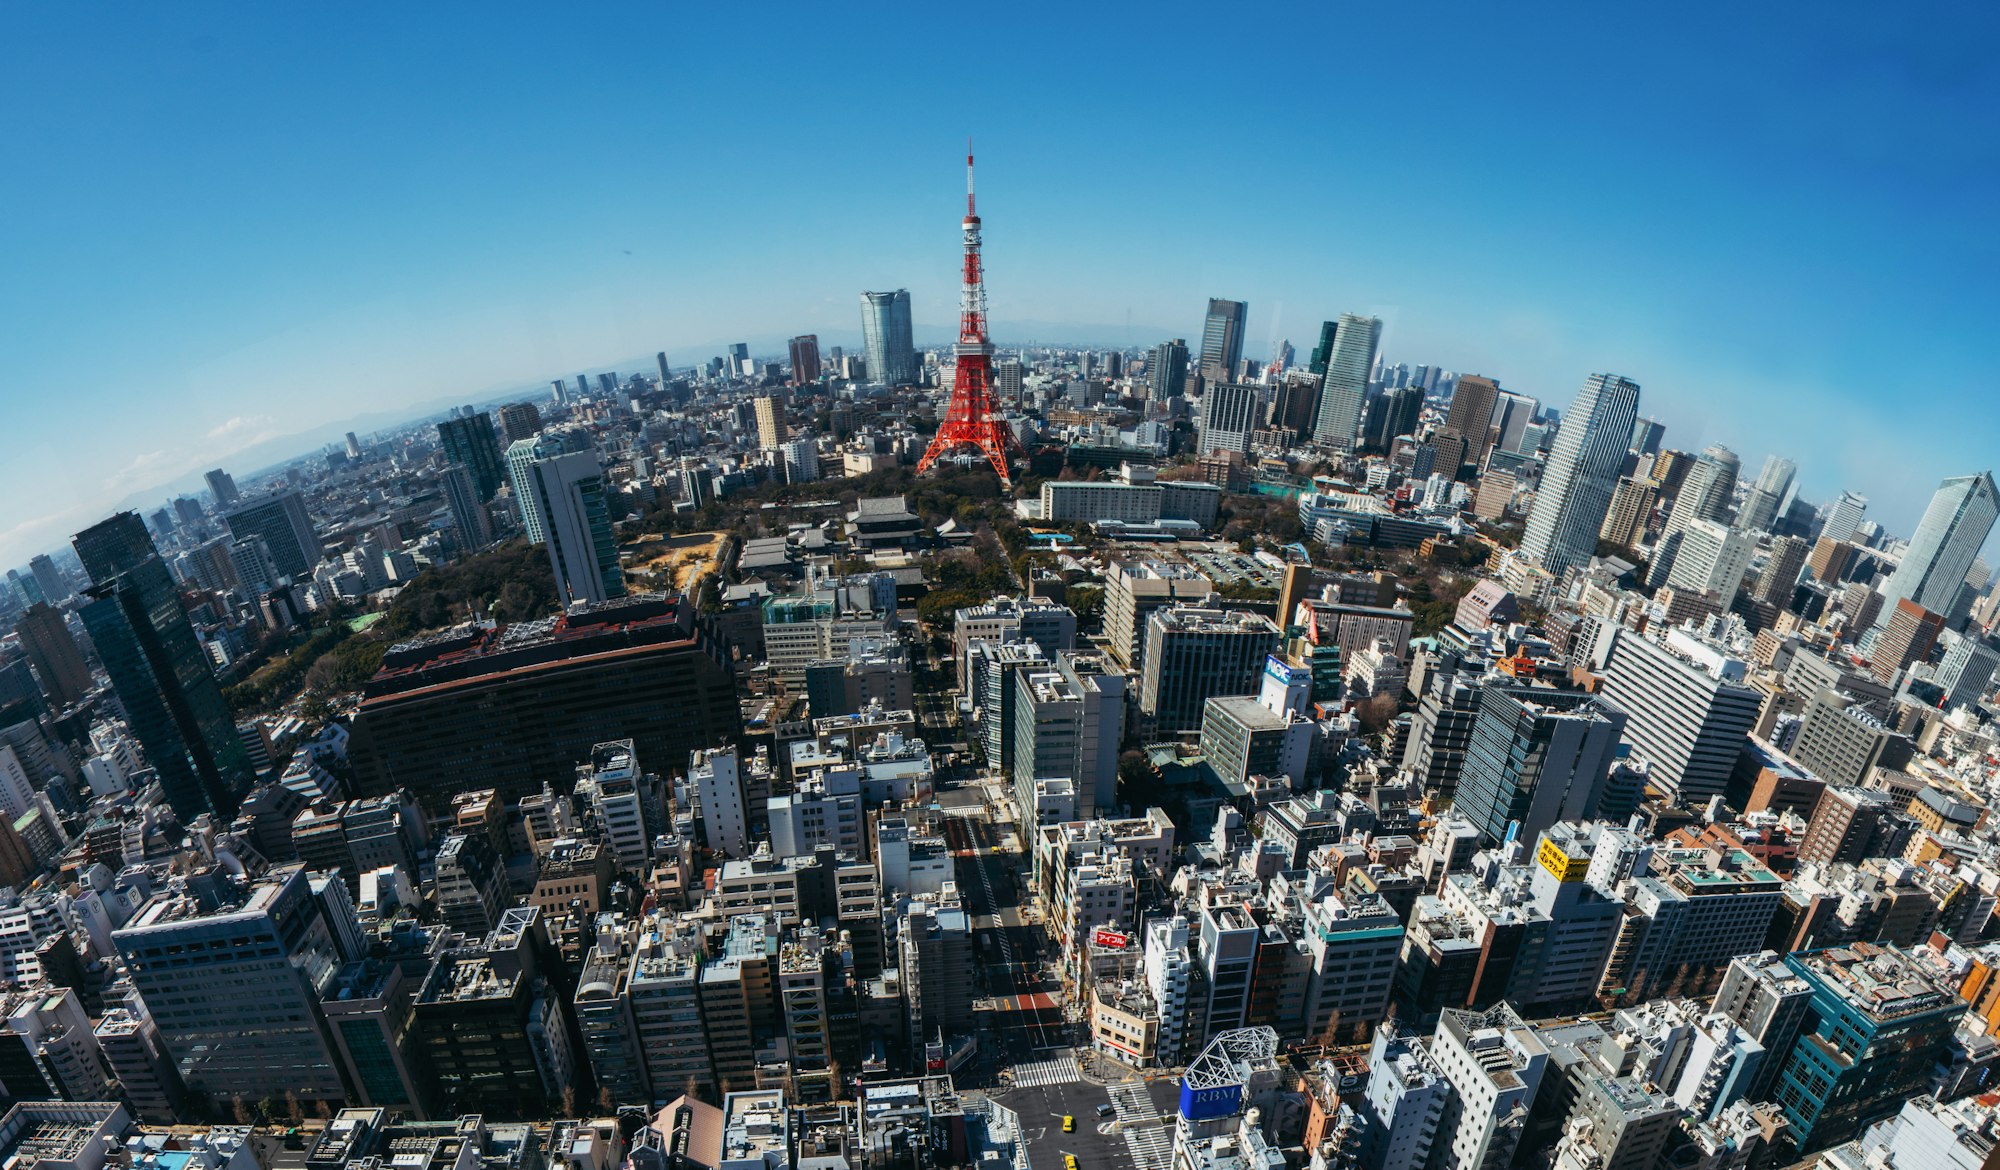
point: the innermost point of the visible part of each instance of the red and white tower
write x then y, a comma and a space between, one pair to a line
973, 419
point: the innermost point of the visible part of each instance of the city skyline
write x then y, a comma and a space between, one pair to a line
231, 324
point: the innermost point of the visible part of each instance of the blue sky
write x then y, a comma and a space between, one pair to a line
227, 223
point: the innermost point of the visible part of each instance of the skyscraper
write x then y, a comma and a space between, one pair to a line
222, 487
1391, 416
1222, 339
54, 588
1956, 524
468, 512
353, 446
1844, 516
1760, 504
1583, 468
1705, 495
1317, 362
1471, 417
666, 374
1346, 382
1536, 758
280, 518
469, 442
1647, 434
569, 492
53, 653
518, 420
159, 670
1781, 571
805, 358
885, 337
1166, 371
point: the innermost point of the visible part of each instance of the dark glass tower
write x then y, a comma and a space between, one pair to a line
470, 443
158, 668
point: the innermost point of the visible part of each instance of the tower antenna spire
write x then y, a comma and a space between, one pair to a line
973, 418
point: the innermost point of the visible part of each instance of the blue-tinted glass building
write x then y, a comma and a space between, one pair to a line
1876, 1026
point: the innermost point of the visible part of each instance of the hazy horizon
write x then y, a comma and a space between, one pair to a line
251, 224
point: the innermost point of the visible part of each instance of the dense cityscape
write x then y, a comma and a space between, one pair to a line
1051, 758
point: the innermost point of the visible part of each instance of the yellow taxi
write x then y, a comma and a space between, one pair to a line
1069, 1123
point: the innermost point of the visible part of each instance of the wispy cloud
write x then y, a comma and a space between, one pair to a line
137, 471
243, 424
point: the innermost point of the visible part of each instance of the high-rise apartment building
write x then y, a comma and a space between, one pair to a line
470, 442
222, 487
886, 338
805, 359
53, 653
1582, 472
520, 420
159, 670
1947, 540
1345, 386
771, 428
1631, 510
1167, 370
1222, 339
280, 520
235, 988
1228, 415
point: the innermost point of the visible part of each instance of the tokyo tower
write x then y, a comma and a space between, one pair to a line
973, 418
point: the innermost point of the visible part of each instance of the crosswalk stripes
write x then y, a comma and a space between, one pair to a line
1061, 1070
1147, 1137
1150, 1145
